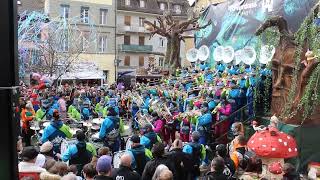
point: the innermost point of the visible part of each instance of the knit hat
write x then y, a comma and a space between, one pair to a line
40, 161
46, 147
135, 139
29, 153
104, 164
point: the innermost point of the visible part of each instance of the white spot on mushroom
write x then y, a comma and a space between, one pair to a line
289, 149
252, 148
281, 132
285, 144
252, 142
288, 137
280, 140
273, 149
260, 139
295, 149
264, 145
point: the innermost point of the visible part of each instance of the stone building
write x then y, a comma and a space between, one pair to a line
135, 48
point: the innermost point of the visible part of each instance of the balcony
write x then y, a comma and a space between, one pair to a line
123, 29
136, 48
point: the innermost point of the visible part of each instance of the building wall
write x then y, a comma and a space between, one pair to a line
105, 60
150, 13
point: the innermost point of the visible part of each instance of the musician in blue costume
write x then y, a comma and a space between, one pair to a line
220, 67
149, 137
110, 130
204, 123
208, 76
56, 132
250, 93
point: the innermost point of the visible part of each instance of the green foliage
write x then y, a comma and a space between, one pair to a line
307, 34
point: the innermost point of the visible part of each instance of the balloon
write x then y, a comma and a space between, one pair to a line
266, 54
249, 55
238, 57
228, 54
204, 53
218, 53
192, 55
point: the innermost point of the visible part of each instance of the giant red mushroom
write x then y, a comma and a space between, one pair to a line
271, 146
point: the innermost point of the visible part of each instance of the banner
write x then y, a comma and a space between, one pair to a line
234, 22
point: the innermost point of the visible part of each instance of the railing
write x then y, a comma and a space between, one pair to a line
241, 112
136, 48
125, 28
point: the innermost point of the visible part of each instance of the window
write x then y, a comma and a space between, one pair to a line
177, 9
127, 60
161, 61
102, 44
161, 41
141, 21
162, 6
141, 61
84, 15
142, 4
127, 2
141, 40
127, 20
103, 16
126, 40
19, 2
65, 11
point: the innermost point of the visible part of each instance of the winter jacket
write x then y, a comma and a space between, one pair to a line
126, 173
56, 128
215, 176
149, 139
73, 150
181, 162
101, 177
152, 165
140, 156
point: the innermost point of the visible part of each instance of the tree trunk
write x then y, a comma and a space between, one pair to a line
173, 53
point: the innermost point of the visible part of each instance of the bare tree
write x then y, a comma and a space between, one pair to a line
172, 29
58, 43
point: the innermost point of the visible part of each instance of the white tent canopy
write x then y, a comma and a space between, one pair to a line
83, 70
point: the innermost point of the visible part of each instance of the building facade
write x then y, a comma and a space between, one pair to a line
135, 47
93, 15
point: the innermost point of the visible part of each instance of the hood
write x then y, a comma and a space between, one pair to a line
57, 123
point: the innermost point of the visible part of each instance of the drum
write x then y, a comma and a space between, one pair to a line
45, 124
95, 135
116, 158
65, 144
35, 128
97, 120
87, 124
74, 130
95, 127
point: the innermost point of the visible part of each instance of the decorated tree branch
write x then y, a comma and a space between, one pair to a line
172, 29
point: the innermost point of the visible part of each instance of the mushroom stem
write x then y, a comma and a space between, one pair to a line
265, 171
